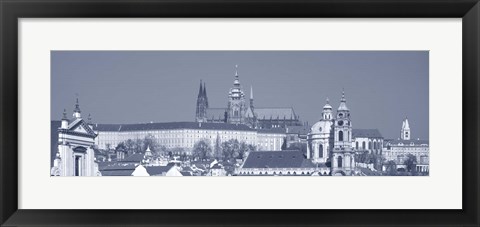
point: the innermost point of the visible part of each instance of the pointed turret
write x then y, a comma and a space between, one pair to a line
200, 90
77, 111
405, 132
343, 102
205, 94
251, 97
64, 120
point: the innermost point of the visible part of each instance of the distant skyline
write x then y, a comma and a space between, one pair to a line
381, 87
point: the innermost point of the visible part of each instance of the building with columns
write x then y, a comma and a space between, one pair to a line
75, 154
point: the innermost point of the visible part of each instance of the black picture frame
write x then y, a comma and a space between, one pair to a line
12, 10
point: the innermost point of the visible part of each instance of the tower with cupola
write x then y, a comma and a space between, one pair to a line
236, 108
343, 156
320, 138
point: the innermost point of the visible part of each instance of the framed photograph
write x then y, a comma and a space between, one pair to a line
229, 113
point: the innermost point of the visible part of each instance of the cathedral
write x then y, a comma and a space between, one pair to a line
330, 140
239, 111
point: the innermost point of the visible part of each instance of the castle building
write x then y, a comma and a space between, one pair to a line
186, 134
398, 150
239, 111
330, 140
75, 155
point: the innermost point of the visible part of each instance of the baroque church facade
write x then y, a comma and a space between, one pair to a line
239, 111
330, 140
76, 140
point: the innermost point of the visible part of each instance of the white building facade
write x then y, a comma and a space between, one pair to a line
186, 134
399, 149
75, 154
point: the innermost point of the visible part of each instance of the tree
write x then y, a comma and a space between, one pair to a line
284, 145
233, 150
391, 168
217, 153
202, 150
411, 162
140, 145
298, 146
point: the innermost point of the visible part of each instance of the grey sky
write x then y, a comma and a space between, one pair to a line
381, 87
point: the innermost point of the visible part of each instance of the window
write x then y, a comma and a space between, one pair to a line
363, 145
320, 151
339, 161
77, 165
356, 145
340, 136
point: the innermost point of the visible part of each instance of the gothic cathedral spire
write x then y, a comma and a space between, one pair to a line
202, 104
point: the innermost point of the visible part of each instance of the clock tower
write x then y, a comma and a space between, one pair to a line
343, 156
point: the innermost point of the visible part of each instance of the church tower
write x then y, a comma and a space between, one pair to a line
405, 132
343, 156
236, 108
202, 104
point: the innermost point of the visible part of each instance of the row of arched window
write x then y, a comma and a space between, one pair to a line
376, 145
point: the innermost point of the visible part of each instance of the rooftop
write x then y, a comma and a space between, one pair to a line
366, 133
277, 159
157, 170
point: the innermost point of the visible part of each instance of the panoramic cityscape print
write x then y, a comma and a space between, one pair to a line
239, 113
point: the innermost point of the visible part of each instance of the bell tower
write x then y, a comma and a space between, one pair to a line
405, 132
343, 156
237, 107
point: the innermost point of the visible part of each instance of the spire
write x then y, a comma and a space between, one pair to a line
236, 82
251, 92
205, 94
328, 101
200, 91
64, 114
89, 118
77, 107
343, 96
76, 111
406, 125
343, 102
251, 98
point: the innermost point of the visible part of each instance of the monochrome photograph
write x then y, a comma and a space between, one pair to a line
239, 113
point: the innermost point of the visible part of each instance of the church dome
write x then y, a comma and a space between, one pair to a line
327, 106
322, 126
